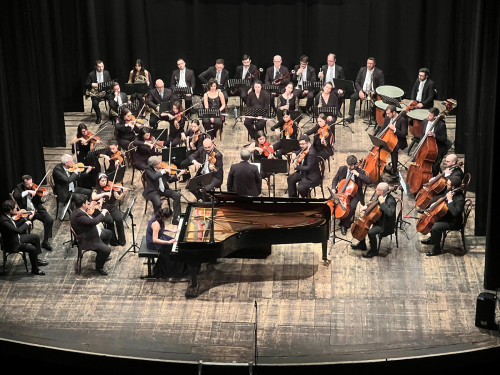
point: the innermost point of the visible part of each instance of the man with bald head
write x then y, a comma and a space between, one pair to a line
244, 178
160, 94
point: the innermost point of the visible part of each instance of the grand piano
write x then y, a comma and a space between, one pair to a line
230, 223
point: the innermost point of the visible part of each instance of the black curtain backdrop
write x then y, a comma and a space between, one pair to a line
49, 47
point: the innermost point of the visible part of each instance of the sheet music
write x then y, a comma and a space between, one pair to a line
179, 226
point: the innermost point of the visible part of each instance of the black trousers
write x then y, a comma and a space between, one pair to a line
253, 126
298, 187
102, 251
155, 198
30, 243
42, 215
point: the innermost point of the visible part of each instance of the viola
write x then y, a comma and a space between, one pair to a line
288, 128
212, 159
22, 214
78, 166
346, 189
300, 157
435, 212
324, 133
267, 148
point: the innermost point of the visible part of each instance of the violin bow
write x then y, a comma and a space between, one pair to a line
101, 129
43, 179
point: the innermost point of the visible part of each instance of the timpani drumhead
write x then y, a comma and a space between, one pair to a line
418, 114
383, 106
390, 91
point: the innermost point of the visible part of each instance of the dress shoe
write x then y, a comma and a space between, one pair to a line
102, 271
38, 272
41, 263
359, 246
427, 241
108, 259
113, 243
435, 251
98, 120
175, 221
343, 230
350, 119
178, 279
369, 254
46, 246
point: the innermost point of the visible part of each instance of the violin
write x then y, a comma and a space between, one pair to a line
267, 148
324, 133
137, 122
173, 168
288, 128
38, 190
300, 157
115, 187
212, 159
22, 214
346, 189
94, 205
79, 166
435, 212
117, 156
177, 119
91, 137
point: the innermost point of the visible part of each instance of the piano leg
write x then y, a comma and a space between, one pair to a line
192, 289
324, 246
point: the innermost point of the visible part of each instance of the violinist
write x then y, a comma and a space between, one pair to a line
146, 148
455, 201
194, 141
213, 98
126, 128
116, 98
15, 238
261, 149
287, 101
398, 125
84, 142
208, 160
358, 176
29, 198
258, 99
439, 133
284, 129
106, 190
383, 226
115, 159
307, 174
324, 137
244, 178
304, 73
177, 124
246, 70
158, 95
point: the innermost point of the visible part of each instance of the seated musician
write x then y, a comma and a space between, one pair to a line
278, 73
90, 235
29, 199
103, 191
423, 90
99, 75
194, 141
452, 219
400, 127
332, 71
284, 129
287, 101
183, 77
219, 75
15, 238
115, 161
367, 81
257, 99
177, 124
385, 225
439, 134
126, 129
358, 176
208, 160
83, 142
116, 98
157, 239
305, 167
139, 75
66, 176
158, 177
246, 70
304, 73
158, 95
244, 178
327, 98
323, 136
146, 148
261, 149
213, 98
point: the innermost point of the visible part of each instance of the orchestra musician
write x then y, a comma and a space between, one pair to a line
323, 136
400, 127
423, 90
213, 98
286, 128
83, 145
208, 160
332, 71
99, 75
115, 160
139, 75
158, 176
246, 70
439, 134
304, 73
287, 101
278, 72
385, 225
90, 235
126, 128
15, 238
244, 178
367, 81
183, 77
327, 98
260, 99
158, 95
219, 74
452, 219
111, 196
177, 123
146, 148
28, 198
262, 149
307, 173
194, 141
116, 98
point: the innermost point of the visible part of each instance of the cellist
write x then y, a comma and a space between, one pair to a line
439, 133
385, 225
452, 219
358, 176
398, 125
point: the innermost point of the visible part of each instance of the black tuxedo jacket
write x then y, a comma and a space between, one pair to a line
428, 93
62, 181
401, 130
378, 78
22, 202
310, 75
309, 167
92, 78
251, 70
154, 97
10, 232
189, 77
85, 229
440, 135
111, 99
388, 218
244, 178
152, 177
358, 180
211, 73
200, 155
339, 71
270, 75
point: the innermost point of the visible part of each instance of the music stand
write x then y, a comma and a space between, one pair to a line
178, 154
382, 145
198, 182
136, 88
289, 145
181, 92
312, 85
164, 107
128, 213
348, 88
274, 166
63, 214
272, 89
209, 113
160, 134
335, 201
405, 188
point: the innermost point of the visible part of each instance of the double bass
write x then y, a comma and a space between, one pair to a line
374, 163
346, 189
424, 156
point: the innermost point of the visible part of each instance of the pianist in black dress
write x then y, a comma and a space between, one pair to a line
257, 99
157, 239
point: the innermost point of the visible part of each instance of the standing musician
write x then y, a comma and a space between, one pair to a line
103, 190
139, 75
400, 127
439, 133
213, 98
332, 71
323, 136
158, 95
423, 90
116, 98
244, 178
327, 98
126, 129
99, 75
358, 176
206, 160
306, 169
304, 73
146, 148
177, 123
286, 128
246, 70
183, 77
452, 219
29, 198
219, 74
158, 176
384, 225
15, 238
261, 149
115, 160
287, 101
367, 81
257, 99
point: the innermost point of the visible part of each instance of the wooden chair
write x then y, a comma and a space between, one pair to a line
6, 252
322, 173
74, 238
397, 222
466, 213
465, 183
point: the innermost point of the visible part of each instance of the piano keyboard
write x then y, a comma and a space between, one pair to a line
179, 226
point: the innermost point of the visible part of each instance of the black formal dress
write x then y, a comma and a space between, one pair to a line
113, 218
322, 145
262, 102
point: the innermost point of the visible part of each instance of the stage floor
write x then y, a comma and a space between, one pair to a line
401, 304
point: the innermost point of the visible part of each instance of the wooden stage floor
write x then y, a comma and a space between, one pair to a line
399, 305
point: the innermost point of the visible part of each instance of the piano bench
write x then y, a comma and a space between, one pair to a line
144, 252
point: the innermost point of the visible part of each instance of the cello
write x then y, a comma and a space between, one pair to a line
374, 163
347, 189
424, 156
435, 212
